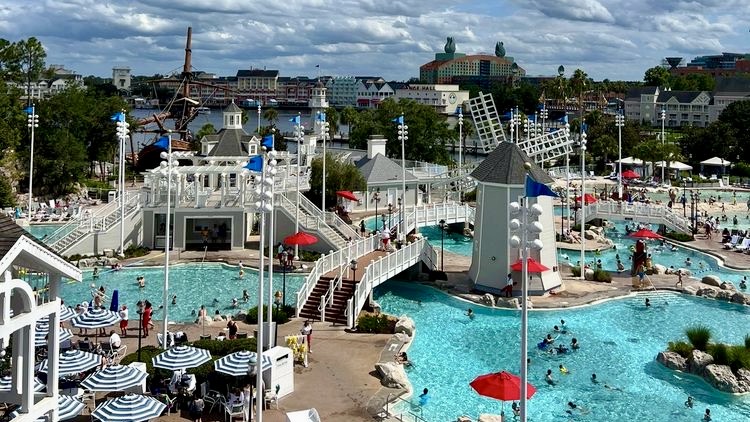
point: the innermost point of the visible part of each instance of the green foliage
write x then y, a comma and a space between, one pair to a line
147, 355
379, 324
699, 336
602, 276
656, 76
135, 251
7, 198
226, 347
281, 314
576, 271
747, 341
471, 195
309, 256
340, 175
739, 357
682, 348
720, 353
680, 237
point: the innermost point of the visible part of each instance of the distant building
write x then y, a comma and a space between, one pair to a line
683, 108
370, 93
121, 78
717, 65
444, 98
342, 90
480, 69
295, 91
727, 91
257, 84
45, 88
640, 103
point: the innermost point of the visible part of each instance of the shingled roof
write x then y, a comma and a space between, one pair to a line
381, 169
229, 143
10, 232
504, 166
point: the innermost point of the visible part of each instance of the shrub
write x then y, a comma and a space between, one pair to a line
699, 336
309, 256
747, 341
379, 324
576, 271
281, 315
225, 347
134, 251
470, 196
602, 276
720, 353
680, 347
739, 357
680, 237
147, 354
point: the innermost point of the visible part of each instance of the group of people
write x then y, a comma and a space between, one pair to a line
547, 345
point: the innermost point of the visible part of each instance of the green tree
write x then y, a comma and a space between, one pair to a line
603, 146
7, 198
332, 117
349, 117
340, 175
207, 129
656, 76
32, 56
271, 115
579, 82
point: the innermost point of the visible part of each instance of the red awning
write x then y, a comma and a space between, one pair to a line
346, 195
300, 239
533, 266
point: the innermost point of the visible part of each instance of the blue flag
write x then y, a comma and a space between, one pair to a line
118, 117
162, 143
255, 163
295, 120
584, 127
534, 188
399, 120
29, 110
507, 116
321, 117
267, 141
459, 110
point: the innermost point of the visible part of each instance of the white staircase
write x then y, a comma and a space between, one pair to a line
638, 212
337, 232
102, 220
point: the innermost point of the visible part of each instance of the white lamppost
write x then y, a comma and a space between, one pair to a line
323, 126
583, 203
168, 167
619, 122
526, 228
517, 124
299, 134
271, 162
122, 135
403, 135
259, 116
460, 137
544, 114
663, 117
33, 123
567, 176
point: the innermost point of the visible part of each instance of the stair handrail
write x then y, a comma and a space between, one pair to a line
82, 221
325, 216
326, 300
328, 262
308, 221
377, 272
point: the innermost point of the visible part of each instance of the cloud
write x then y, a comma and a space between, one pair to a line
580, 10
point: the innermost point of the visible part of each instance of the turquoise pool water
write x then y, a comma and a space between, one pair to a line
41, 230
194, 285
619, 342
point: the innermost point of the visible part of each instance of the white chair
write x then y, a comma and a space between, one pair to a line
743, 246
271, 397
732, 243
234, 411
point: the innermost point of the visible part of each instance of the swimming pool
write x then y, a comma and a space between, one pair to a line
194, 285
619, 342
40, 231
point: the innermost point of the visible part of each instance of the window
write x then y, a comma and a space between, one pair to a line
252, 149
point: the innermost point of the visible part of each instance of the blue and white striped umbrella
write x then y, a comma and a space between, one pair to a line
68, 408
114, 378
74, 362
241, 363
181, 357
129, 408
66, 313
6, 382
42, 329
95, 318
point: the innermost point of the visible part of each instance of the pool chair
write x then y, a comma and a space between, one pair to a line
732, 243
743, 246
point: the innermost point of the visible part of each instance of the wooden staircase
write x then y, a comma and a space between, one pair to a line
335, 311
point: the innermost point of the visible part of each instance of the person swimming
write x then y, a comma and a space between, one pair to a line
689, 402
648, 302
574, 344
561, 350
563, 369
470, 313
548, 378
593, 379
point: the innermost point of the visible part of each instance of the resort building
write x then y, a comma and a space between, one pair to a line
121, 78
384, 178
717, 65
370, 93
727, 91
22, 307
444, 98
342, 91
640, 104
44, 88
450, 67
683, 108
258, 84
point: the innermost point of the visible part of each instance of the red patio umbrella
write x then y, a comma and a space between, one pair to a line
589, 198
645, 234
346, 195
501, 386
300, 239
533, 266
630, 174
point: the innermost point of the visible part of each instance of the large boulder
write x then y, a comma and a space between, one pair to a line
392, 375
711, 280
699, 360
722, 378
659, 269
708, 292
724, 295
743, 377
488, 300
588, 274
672, 360
727, 285
590, 235
739, 298
405, 325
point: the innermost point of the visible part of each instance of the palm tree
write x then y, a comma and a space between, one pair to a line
272, 115
332, 117
349, 117
578, 83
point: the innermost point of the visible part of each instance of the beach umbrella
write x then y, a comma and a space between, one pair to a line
588, 198
68, 408
114, 378
630, 174
502, 386
300, 239
95, 318
181, 357
129, 408
42, 330
66, 313
240, 363
645, 234
346, 195
74, 362
532, 266
114, 304
6, 382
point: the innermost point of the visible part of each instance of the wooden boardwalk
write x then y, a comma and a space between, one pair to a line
362, 263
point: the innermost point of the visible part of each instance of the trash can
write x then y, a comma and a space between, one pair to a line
111, 196
268, 340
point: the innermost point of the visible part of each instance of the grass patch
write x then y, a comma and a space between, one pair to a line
379, 324
682, 348
699, 335
281, 314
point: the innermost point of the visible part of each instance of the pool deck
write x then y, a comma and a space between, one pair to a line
348, 389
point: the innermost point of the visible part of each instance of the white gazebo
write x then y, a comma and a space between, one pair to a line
675, 165
715, 162
630, 161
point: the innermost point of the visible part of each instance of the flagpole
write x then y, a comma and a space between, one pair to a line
33, 123
300, 137
583, 204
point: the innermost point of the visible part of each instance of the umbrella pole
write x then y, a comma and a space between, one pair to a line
524, 306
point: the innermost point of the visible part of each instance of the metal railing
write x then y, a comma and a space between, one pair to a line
430, 215
310, 222
380, 271
402, 415
637, 212
329, 218
327, 263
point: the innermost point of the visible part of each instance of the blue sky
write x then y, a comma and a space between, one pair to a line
612, 39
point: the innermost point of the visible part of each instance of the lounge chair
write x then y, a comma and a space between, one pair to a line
743, 246
732, 243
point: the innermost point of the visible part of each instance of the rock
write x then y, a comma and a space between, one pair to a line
588, 274
487, 417
690, 290
488, 300
724, 295
722, 378
699, 360
464, 418
743, 377
672, 360
727, 285
706, 292
739, 298
405, 325
401, 337
659, 269
392, 375
590, 235
512, 303
711, 280
207, 320
685, 272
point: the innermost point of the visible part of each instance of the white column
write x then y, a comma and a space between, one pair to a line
583, 204
258, 364
33, 123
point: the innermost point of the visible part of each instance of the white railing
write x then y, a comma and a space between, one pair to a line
310, 222
103, 219
329, 218
327, 263
637, 212
382, 270
430, 215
